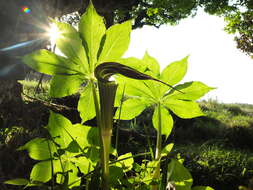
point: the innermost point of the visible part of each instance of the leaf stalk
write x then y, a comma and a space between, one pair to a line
156, 174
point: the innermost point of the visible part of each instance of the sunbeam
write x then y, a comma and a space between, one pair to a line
23, 45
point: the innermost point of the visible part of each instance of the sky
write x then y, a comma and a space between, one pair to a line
214, 58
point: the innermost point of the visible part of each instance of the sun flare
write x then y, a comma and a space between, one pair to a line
53, 33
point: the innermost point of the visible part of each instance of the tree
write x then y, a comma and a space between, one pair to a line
239, 17
241, 24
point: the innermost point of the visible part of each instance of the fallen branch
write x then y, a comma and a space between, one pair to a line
50, 105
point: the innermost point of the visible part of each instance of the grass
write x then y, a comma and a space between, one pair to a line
231, 115
213, 164
231, 124
33, 89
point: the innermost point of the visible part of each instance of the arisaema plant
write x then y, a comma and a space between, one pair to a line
88, 58
181, 100
83, 50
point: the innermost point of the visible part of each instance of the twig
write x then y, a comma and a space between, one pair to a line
57, 107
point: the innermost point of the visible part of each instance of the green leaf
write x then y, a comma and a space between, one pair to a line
70, 44
83, 164
134, 88
184, 109
42, 171
131, 108
92, 136
167, 149
56, 125
127, 161
148, 173
133, 63
116, 173
38, 148
17, 181
191, 91
202, 188
81, 134
180, 175
94, 154
152, 64
157, 89
74, 180
166, 120
73, 147
116, 42
174, 72
86, 105
49, 63
71, 179
63, 132
61, 86
92, 29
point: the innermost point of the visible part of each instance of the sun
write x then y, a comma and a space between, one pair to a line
53, 33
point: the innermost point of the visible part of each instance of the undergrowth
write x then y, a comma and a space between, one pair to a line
216, 148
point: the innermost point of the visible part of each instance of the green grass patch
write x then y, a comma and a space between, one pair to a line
32, 88
231, 115
215, 164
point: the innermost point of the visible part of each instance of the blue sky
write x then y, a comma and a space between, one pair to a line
214, 58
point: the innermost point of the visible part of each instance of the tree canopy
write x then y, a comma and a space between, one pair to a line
17, 26
237, 13
241, 24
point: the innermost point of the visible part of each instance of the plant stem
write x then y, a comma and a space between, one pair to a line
98, 118
118, 122
107, 92
159, 135
156, 174
149, 143
52, 165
